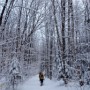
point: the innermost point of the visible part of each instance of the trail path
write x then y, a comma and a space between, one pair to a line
34, 84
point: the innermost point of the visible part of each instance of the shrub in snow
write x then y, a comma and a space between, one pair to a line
81, 82
14, 72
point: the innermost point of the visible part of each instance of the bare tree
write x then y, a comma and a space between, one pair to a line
3, 10
7, 14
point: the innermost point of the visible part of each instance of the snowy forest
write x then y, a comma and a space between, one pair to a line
52, 36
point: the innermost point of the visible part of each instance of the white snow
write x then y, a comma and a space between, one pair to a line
34, 84
2, 83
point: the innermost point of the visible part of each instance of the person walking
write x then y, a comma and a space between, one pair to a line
41, 78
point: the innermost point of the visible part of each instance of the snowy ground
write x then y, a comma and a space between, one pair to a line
34, 84
2, 83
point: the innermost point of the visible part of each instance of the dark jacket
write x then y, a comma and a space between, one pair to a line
41, 76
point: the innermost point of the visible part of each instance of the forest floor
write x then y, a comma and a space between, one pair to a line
34, 84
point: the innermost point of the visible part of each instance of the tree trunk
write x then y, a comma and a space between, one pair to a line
63, 2
3, 10
7, 14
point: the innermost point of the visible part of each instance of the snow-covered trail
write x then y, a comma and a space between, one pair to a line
34, 84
